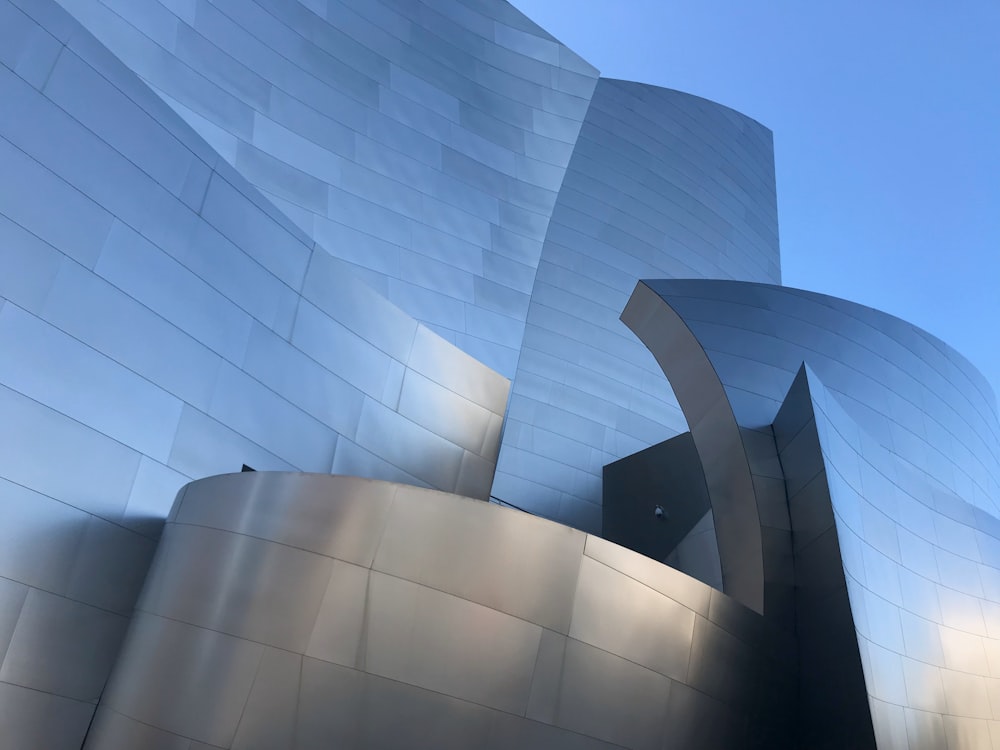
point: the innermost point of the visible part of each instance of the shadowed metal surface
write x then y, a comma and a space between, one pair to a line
297, 610
656, 502
832, 700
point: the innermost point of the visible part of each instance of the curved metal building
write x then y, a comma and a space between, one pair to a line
661, 184
422, 143
378, 251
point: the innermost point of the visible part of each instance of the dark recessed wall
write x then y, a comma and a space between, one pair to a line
668, 474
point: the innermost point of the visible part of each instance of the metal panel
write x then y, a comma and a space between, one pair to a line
422, 400
623, 617
322, 722
447, 531
261, 61
270, 712
93, 472
110, 566
274, 424
346, 525
415, 450
204, 446
546, 680
31, 266
683, 589
33, 718
121, 328
62, 647
422, 637
902, 491
112, 729
145, 273
611, 698
120, 404
83, 225
695, 720
278, 609
209, 674
340, 624
29, 525
12, 596
153, 491
721, 665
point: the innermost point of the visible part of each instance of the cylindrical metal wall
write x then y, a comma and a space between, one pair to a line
308, 611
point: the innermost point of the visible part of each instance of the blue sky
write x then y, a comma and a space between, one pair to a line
886, 120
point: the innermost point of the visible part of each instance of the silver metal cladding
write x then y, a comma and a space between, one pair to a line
349, 587
333, 236
888, 441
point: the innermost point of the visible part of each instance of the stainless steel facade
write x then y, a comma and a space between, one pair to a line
888, 458
160, 321
423, 143
334, 236
661, 184
330, 612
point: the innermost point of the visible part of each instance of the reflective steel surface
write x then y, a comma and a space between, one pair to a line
888, 446
311, 611
161, 319
661, 184
333, 236
423, 143
478, 174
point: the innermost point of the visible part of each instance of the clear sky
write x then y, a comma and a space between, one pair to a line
886, 120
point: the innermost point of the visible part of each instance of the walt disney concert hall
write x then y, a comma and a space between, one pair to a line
375, 374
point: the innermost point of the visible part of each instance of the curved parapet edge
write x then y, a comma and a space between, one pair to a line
717, 440
449, 622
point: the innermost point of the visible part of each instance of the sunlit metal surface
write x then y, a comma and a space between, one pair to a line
888, 445
322, 235
308, 611
160, 320
464, 164
423, 143
661, 184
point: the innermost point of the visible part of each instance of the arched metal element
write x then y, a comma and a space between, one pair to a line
717, 438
